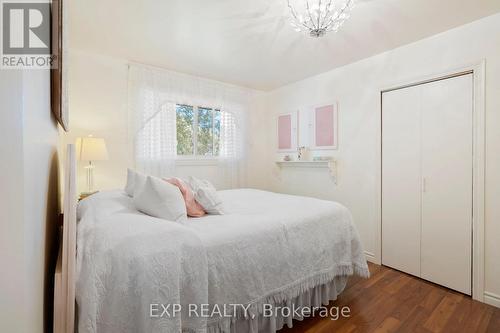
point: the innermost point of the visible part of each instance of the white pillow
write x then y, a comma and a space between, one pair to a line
161, 199
134, 181
129, 187
139, 181
206, 195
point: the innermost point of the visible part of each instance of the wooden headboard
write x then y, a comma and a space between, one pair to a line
64, 289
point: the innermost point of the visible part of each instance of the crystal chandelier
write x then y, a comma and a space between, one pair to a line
317, 17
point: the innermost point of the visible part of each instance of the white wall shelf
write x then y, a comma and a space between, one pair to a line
304, 164
331, 165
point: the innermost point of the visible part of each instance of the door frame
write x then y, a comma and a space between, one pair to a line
478, 70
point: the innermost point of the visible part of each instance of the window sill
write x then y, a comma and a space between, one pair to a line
196, 161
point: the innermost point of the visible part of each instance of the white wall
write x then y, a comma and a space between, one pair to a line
41, 196
357, 89
98, 106
11, 202
29, 200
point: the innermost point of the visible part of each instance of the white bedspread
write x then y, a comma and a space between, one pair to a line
266, 249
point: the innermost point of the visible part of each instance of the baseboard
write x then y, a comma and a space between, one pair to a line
492, 299
371, 257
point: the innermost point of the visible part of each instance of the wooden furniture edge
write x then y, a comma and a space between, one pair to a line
64, 279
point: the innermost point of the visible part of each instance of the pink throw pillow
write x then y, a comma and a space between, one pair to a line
193, 208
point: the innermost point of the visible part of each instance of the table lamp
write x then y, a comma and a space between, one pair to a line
91, 149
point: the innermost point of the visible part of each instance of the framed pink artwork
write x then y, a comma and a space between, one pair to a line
286, 128
324, 127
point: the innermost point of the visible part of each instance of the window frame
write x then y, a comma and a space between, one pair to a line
195, 156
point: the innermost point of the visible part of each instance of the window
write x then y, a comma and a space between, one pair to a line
198, 130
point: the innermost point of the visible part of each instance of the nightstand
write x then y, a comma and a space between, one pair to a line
84, 195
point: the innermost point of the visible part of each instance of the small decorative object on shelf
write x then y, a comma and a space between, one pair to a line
287, 158
84, 195
300, 151
304, 154
322, 158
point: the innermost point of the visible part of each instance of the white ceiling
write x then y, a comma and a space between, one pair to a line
250, 42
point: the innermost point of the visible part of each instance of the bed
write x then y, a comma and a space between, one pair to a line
218, 273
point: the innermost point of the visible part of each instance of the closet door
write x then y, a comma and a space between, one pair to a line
446, 233
401, 180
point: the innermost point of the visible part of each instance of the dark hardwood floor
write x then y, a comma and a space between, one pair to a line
391, 301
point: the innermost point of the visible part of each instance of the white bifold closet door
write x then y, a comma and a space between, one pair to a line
427, 181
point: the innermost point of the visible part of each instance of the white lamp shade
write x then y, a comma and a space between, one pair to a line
91, 149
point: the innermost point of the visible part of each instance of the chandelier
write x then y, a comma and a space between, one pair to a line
317, 17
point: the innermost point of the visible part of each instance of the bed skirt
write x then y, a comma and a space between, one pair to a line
315, 297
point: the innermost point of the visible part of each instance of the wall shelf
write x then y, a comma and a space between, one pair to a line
331, 165
304, 164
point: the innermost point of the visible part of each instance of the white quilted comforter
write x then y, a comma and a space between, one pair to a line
266, 249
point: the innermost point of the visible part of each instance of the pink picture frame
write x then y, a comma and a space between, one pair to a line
287, 132
324, 127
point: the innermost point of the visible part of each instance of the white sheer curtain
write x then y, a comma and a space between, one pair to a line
152, 97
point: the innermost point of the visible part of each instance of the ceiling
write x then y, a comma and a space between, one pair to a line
250, 43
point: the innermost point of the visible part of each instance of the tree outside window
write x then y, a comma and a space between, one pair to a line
198, 130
